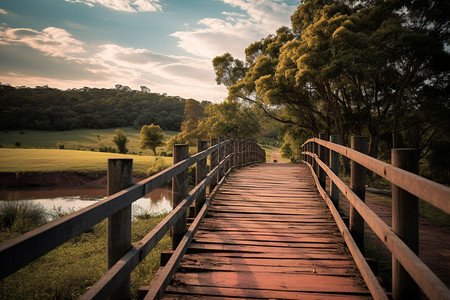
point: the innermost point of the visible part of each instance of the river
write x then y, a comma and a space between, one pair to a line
73, 199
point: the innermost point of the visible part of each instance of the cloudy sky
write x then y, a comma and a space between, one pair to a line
166, 45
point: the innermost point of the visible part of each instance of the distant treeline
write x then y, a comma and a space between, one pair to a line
44, 108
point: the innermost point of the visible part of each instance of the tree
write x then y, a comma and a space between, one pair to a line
151, 137
121, 140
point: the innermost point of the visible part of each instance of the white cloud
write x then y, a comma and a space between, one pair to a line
2, 11
124, 5
66, 64
216, 36
51, 41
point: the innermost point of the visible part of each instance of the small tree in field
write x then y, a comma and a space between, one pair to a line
151, 137
121, 140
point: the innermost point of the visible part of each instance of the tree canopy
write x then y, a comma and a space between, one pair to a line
375, 68
45, 108
151, 137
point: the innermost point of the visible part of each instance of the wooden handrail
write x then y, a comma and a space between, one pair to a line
431, 285
427, 190
16, 253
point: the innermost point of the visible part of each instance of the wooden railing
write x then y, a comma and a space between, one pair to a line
409, 271
123, 256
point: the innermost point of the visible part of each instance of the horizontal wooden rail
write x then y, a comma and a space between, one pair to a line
372, 283
431, 285
427, 190
16, 253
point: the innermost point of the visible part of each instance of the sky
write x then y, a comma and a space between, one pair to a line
165, 45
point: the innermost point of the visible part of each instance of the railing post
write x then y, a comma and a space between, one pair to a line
179, 191
221, 156
358, 185
405, 223
323, 155
316, 151
241, 152
213, 163
200, 174
120, 176
334, 165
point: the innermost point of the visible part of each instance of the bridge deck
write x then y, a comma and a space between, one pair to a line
268, 234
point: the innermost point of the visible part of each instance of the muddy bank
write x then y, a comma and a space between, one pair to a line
31, 179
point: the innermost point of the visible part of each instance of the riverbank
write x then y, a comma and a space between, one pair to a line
57, 179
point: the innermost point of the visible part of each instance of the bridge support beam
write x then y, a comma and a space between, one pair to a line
358, 185
179, 191
120, 176
200, 174
405, 223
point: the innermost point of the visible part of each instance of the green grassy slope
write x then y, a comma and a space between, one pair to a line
80, 139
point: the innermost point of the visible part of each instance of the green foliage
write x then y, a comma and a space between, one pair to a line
157, 166
375, 68
106, 149
228, 119
21, 216
121, 140
59, 146
151, 137
44, 108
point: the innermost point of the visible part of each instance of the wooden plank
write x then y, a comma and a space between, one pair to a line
205, 292
268, 237
273, 281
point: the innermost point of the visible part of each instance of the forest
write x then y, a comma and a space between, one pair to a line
44, 108
374, 68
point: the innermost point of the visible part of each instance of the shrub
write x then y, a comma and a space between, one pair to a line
21, 216
107, 149
59, 146
158, 165
17, 144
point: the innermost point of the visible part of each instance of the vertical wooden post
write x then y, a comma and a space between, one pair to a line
323, 155
120, 176
334, 165
200, 174
405, 223
358, 185
316, 151
221, 155
179, 191
213, 163
241, 152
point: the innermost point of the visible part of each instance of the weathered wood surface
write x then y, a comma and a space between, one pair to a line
268, 234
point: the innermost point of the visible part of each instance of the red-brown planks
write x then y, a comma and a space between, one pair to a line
268, 234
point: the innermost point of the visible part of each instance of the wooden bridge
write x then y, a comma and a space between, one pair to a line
255, 230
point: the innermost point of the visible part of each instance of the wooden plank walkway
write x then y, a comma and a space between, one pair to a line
268, 234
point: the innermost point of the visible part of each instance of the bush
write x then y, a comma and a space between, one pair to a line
21, 216
17, 144
59, 146
107, 149
158, 165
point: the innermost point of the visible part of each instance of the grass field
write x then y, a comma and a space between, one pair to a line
53, 160
80, 139
69, 270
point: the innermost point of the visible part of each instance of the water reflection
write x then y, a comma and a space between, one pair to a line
73, 199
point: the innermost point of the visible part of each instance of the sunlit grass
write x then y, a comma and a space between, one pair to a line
69, 270
79, 139
53, 160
